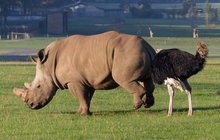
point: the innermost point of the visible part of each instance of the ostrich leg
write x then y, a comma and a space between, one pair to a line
171, 93
188, 91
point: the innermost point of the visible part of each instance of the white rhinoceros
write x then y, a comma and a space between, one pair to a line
84, 64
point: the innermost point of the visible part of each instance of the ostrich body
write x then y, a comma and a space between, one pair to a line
173, 67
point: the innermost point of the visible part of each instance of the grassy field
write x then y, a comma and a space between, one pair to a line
185, 43
113, 117
33, 44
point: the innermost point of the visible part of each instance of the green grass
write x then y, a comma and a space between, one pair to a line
11, 46
113, 117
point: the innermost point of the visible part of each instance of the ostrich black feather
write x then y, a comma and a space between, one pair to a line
178, 64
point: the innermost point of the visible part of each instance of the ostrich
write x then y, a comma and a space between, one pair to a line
173, 67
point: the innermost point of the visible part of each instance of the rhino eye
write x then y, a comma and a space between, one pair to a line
38, 86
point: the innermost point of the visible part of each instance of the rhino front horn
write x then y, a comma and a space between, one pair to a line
20, 93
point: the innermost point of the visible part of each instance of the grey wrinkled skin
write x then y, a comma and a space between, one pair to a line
84, 64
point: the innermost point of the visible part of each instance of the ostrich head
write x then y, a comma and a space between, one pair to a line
202, 50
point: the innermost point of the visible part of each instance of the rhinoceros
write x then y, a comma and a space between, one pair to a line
84, 64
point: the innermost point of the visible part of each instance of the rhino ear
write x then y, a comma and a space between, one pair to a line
42, 56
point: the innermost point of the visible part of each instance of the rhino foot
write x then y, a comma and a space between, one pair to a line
138, 105
81, 112
86, 113
149, 101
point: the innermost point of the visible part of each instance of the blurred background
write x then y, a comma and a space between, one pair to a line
163, 18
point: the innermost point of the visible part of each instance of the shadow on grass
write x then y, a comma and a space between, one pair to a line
149, 111
100, 113
197, 109
104, 113
182, 110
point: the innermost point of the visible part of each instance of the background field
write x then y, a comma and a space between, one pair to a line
113, 117
31, 46
160, 27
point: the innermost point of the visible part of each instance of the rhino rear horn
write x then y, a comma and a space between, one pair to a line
34, 60
27, 85
22, 93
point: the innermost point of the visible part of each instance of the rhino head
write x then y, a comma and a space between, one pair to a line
41, 90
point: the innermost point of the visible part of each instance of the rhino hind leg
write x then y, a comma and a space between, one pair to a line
149, 98
84, 95
137, 90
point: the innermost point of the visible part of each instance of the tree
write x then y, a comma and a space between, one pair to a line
125, 5
218, 14
187, 6
4, 6
144, 5
208, 12
144, 10
27, 5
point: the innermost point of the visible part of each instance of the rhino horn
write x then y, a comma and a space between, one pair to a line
34, 60
20, 92
27, 85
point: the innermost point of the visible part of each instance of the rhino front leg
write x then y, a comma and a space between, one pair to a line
89, 94
88, 99
84, 96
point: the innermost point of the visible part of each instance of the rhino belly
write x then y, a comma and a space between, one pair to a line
103, 84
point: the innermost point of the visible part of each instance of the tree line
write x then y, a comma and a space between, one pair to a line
189, 9
27, 6
144, 8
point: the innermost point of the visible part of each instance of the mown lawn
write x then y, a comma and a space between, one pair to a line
113, 117
184, 43
26, 45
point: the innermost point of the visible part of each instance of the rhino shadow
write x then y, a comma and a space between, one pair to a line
124, 112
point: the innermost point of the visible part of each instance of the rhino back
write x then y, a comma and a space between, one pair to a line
91, 60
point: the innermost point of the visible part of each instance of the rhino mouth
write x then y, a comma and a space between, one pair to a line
37, 106
33, 102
